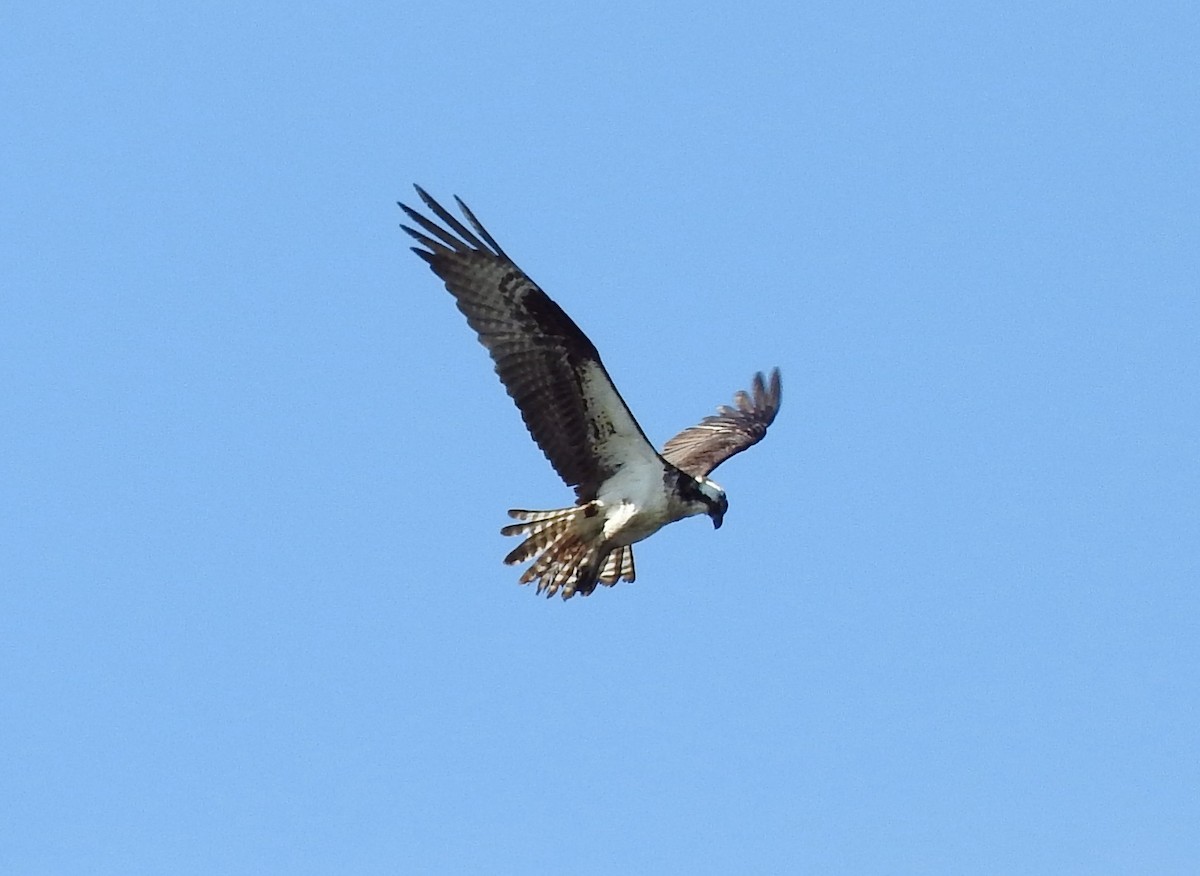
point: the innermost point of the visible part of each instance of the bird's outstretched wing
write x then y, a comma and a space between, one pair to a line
701, 448
547, 364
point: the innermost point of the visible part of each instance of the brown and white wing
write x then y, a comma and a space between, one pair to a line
545, 361
701, 448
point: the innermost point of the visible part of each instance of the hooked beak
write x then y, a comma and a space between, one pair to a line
718, 517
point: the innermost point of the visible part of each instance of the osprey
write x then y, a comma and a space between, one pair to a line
625, 489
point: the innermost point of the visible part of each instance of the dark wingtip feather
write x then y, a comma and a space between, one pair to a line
767, 395
483, 232
776, 391
410, 212
452, 223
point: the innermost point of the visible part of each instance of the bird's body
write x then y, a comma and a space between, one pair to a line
625, 489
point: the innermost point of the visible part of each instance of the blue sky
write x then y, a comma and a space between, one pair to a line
253, 617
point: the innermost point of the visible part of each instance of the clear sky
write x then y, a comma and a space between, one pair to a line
253, 464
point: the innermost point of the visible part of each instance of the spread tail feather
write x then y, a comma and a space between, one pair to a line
566, 552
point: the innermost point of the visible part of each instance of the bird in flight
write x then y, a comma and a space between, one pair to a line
625, 489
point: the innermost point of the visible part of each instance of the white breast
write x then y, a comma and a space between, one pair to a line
635, 504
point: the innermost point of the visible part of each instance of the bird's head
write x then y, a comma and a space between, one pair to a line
713, 497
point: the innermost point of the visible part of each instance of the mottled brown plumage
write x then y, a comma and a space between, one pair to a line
540, 354
701, 448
